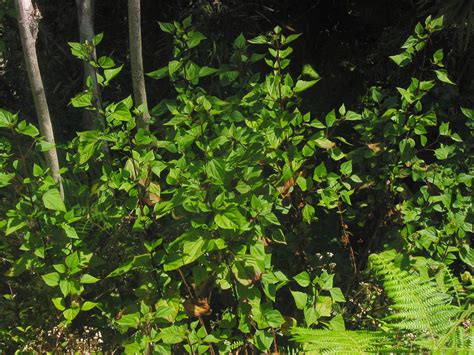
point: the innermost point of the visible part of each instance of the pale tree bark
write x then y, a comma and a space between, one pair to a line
85, 16
136, 60
28, 20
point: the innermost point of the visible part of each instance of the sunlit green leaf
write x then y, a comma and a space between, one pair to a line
53, 201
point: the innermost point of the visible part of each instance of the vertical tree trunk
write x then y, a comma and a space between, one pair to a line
85, 16
138, 80
28, 20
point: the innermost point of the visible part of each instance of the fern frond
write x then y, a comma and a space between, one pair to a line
83, 228
418, 304
290, 350
446, 281
420, 308
462, 339
234, 344
340, 342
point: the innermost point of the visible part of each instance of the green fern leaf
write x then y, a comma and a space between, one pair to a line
420, 308
340, 342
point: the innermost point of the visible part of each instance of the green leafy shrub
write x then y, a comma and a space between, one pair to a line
222, 228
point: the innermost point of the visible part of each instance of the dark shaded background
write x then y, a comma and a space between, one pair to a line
346, 41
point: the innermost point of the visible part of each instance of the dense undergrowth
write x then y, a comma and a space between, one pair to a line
240, 221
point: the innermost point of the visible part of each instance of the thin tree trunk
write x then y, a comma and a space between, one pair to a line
85, 16
138, 80
28, 20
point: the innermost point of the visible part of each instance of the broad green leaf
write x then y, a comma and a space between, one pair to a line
263, 340
301, 299
78, 50
194, 38
130, 320
324, 143
346, 168
173, 67
336, 154
346, 196
407, 149
58, 303
330, 118
309, 71
444, 152
206, 71
167, 27
61, 268
70, 231
337, 295
215, 169
292, 37
121, 112
324, 306
273, 318
84, 99
337, 323
112, 73
443, 76
246, 268
191, 71
72, 260
303, 279
191, 250
142, 260
301, 181
342, 110
326, 281
133, 348
14, 224
435, 24
303, 85
88, 279
89, 144
37, 170
51, 279
172, 335
259, 40
308, 213
187, 22
97, 38
468, 112
5, 179
7, 119
317, 124
88, 305
271, 218
320, 172
53, 201
278, 236
27, 129
438, 56
239, 42
106, 62
230, 219
352, 116
310, 316
71, 313
65, 286
444, 129
159, 73
401, 59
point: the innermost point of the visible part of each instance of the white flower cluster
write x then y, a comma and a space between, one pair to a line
58, 339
